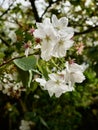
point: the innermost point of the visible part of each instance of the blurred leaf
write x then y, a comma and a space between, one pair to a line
34, 86
43, 122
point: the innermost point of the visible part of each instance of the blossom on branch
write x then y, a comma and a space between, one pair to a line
55, 85
63, 81
56, 37
74, 73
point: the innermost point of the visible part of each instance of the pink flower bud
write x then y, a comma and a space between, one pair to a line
31, 31
79, 47
71, 61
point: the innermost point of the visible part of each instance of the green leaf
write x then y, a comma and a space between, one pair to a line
26, 63
33, 86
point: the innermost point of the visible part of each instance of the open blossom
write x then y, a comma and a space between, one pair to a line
56, 37
64, 36
46, 32
55, 85
59, 24
61, 27
74, 73
63, 81
61, 47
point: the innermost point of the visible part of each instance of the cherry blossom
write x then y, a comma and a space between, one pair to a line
63, 81
56, 37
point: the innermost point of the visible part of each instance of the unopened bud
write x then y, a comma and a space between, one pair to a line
31, 31
38, 40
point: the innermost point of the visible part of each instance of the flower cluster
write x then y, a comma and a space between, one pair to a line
25, 125
63, 81
9, 86
56, 37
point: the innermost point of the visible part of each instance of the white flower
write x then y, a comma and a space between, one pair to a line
55, 85
60, 25
56, 37
61, 47
43, 29
47, 33
74, 73
25, 125
84, 66
37, 46
12, 36
63, 81
27, 52
41, 81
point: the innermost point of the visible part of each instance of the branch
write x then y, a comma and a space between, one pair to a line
34, 9
6, 11
18, 57
89, 30
50, 4
2, 39
6, 62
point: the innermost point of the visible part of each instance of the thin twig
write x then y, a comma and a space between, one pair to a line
4, 41
89, 30
6, 10
10, 60
50, 4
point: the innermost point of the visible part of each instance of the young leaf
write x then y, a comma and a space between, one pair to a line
26, 63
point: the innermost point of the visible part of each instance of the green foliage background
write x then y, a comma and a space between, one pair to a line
77, 110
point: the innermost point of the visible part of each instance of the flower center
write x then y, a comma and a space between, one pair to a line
61, 42
58, 82
47, 38
57, 28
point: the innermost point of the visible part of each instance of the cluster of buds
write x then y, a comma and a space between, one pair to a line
29, 48
31, 31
